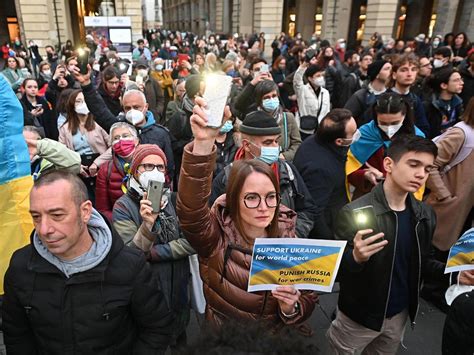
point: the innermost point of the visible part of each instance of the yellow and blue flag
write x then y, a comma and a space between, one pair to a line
15, 179
370, 141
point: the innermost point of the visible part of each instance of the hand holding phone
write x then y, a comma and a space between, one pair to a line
82, 60
154, 194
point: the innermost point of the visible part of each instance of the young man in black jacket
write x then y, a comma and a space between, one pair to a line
380, 279
321, 161
76, 288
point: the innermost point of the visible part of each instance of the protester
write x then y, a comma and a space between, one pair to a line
260, 135
157, 234
360, 103
13, 74
141, 52
77, 276
460, 47
321, 162
267, 100
355, 79
110, 89
364, 167
232, 229
404, 71
444, 108
226, 146
39, 109
442, 58
314, 100
110, 184
420, 87
380, 279
151, 89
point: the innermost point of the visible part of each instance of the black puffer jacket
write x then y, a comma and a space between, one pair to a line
114, 308
365, 287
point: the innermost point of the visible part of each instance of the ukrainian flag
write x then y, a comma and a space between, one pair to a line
370, 141
15, 179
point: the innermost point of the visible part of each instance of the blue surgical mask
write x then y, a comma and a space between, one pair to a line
269, 155
226, 127
231, 73
271, 104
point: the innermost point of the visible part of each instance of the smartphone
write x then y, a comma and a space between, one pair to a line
82, 60
154, 192
216, 93
310, 53
264, 68
39, 106
139, 80
365, 218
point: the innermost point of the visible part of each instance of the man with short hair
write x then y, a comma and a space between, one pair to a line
361, 101
404, 72
355, 80
420, 88
442, 57
381, 271
321, 160
260, 134
141, 52
135, 111
76, 288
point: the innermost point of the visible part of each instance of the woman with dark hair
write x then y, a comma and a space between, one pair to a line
267, 100
37, 108
44, 76
364, 166
13, 74
110, 89
279, 74
444, 108
224, 236
329, 61
460, 47
81, 134
61, 104
448, 39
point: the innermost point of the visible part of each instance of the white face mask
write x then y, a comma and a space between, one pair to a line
320, 81
142, 72
47, 72
147, 176
96, 67
391, 130
134, 116
82, 109
437, 63
355, 138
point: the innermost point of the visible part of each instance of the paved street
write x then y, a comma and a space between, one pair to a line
424, 339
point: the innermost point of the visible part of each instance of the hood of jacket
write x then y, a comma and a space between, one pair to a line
150, 120
101, 246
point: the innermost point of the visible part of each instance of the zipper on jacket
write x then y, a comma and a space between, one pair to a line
413, 323
393, 263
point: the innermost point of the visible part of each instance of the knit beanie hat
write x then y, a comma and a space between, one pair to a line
259, 123
374, 69
142, 151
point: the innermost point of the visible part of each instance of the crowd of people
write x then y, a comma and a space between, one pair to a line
305, 132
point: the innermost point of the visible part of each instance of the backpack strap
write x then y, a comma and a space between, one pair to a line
286, 142
466, 148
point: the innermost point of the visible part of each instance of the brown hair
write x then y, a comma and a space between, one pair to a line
468, 115
277, 62
400, 60
73, 118
241, 169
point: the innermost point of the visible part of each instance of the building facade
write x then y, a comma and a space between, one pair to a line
152, 14
354, 20
52, 22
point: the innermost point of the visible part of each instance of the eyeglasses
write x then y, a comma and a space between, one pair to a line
113, 82
252, 200
151, 167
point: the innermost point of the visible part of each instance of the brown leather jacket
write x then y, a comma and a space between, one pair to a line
223, 254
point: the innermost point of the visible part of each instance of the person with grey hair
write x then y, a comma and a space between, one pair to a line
77, 287
46, 154
110, 178
135, 112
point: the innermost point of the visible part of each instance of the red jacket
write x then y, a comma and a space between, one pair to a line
109, 186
